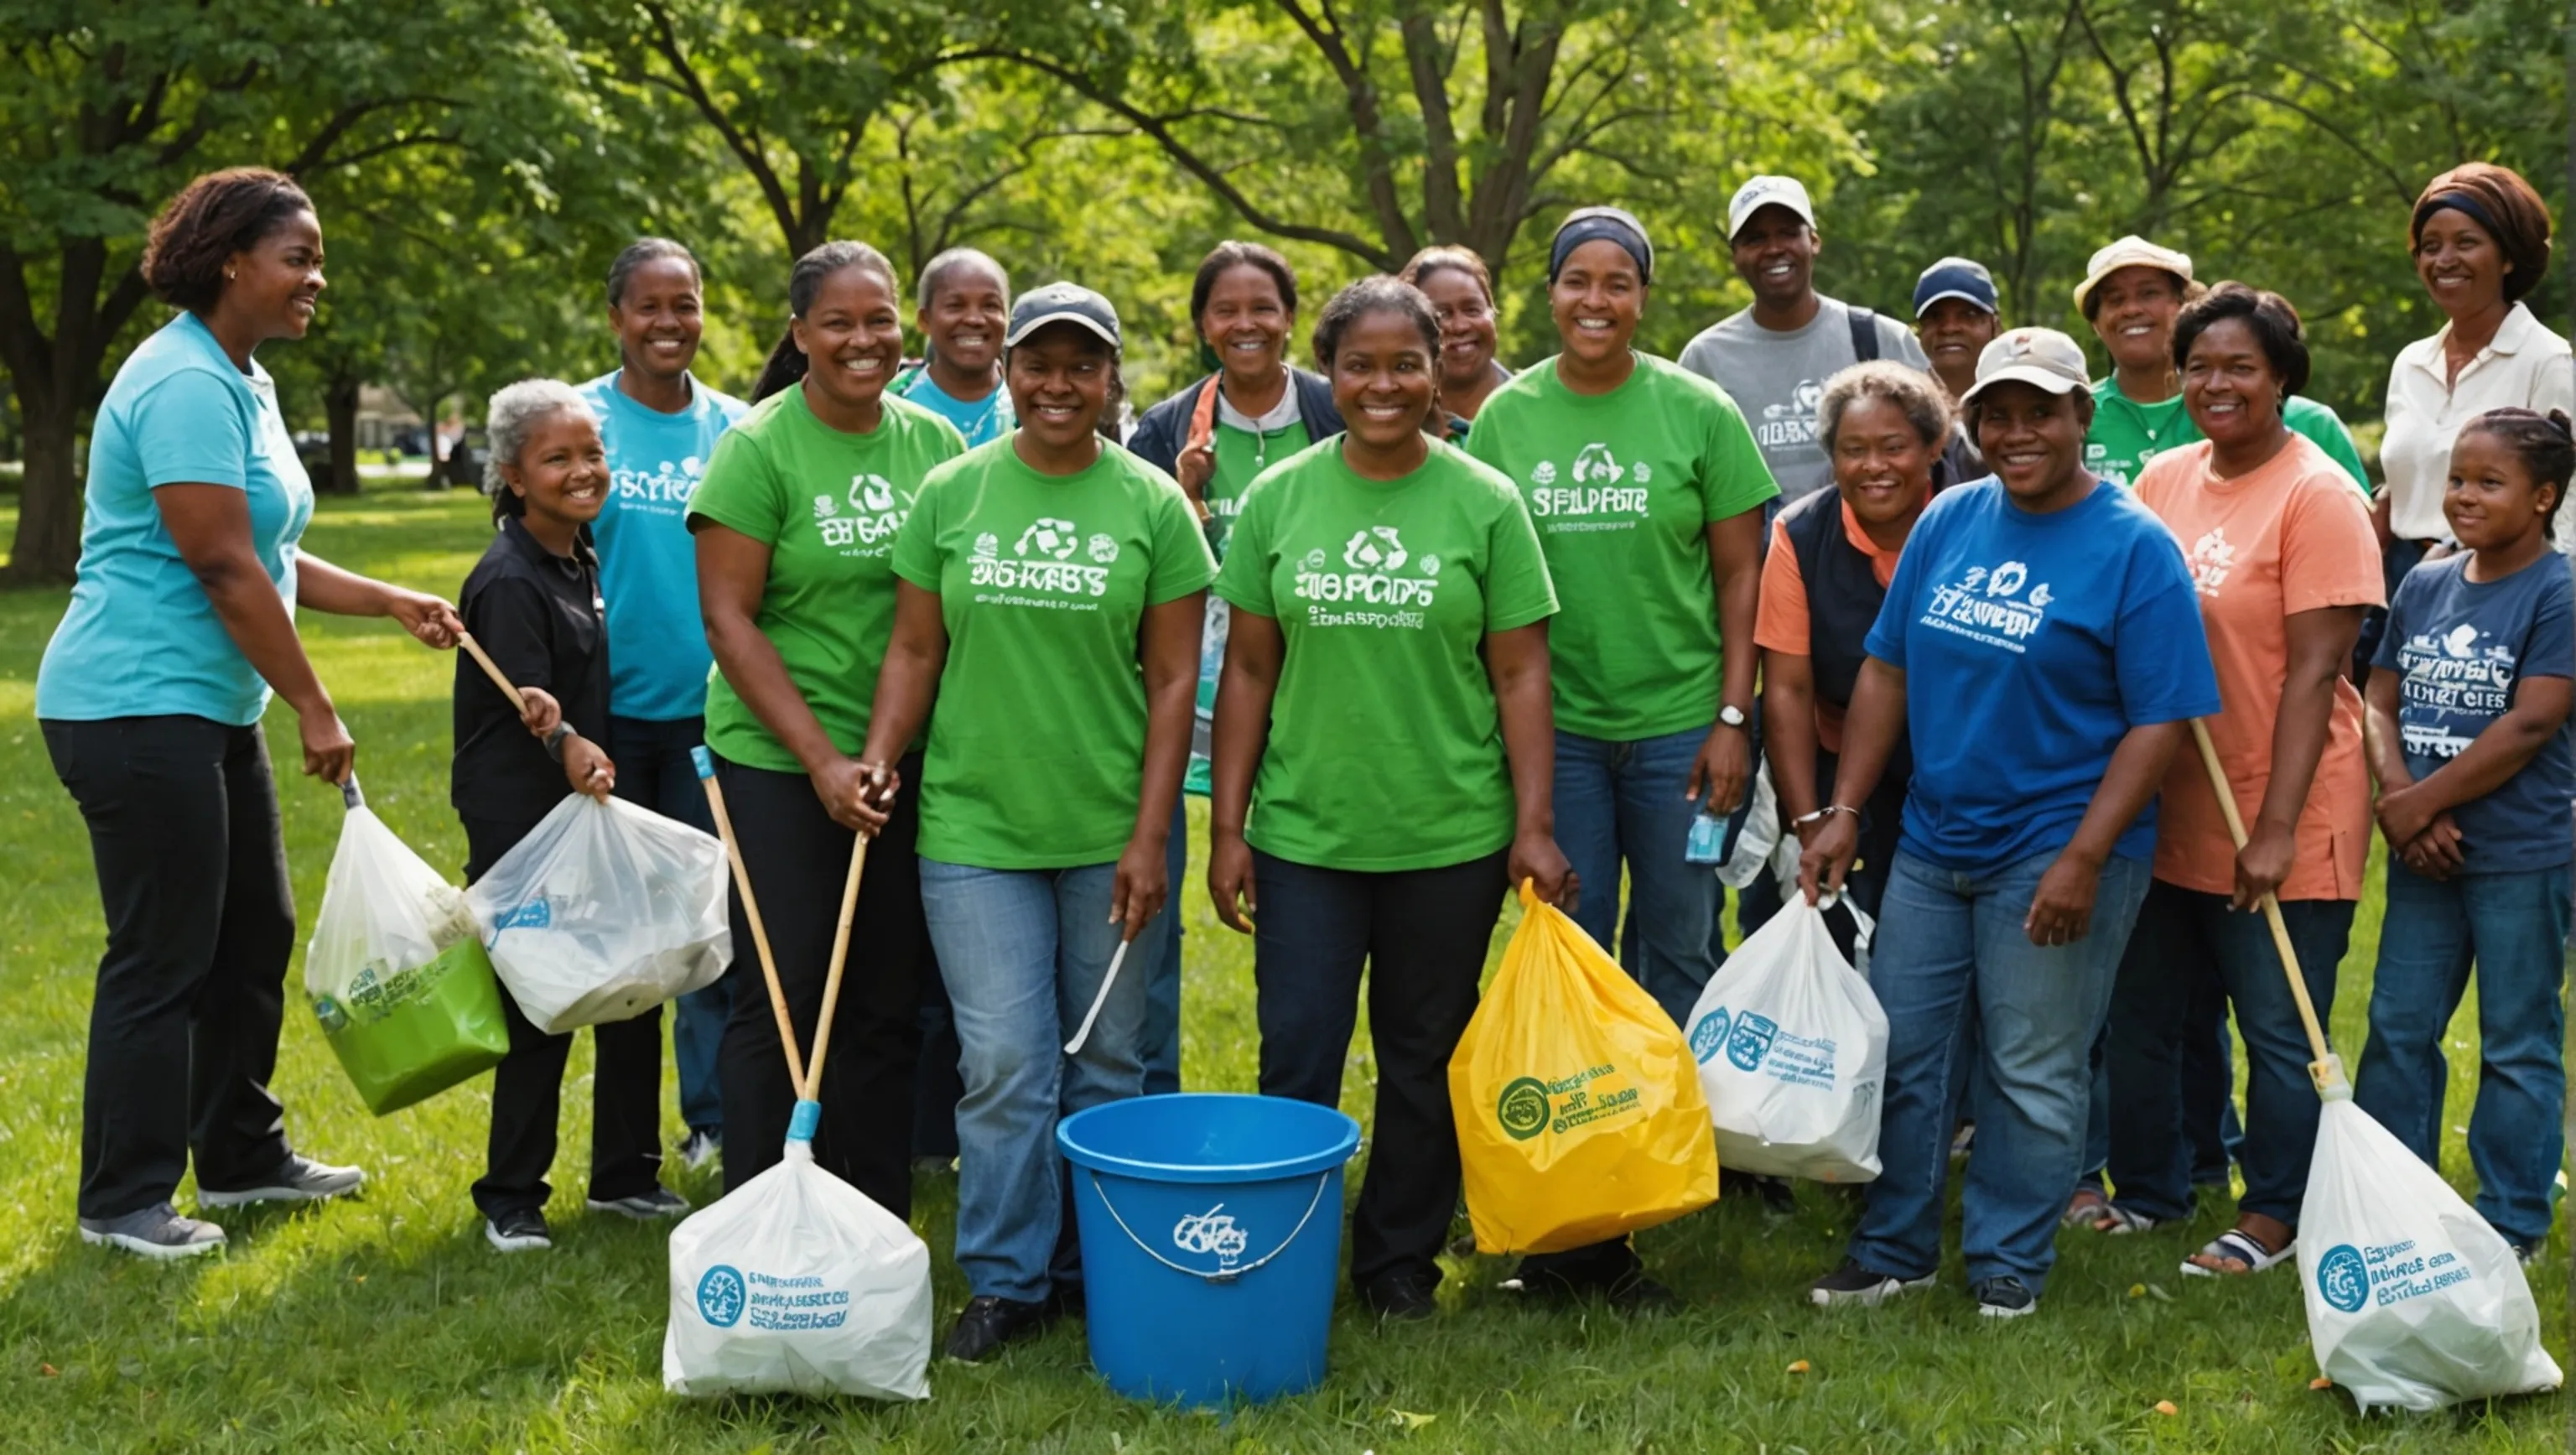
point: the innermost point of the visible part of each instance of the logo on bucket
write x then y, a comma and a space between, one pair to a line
2343, 1280
1751, 1040
1523, 1108
1709, 1034
720, 1296
1212, 1231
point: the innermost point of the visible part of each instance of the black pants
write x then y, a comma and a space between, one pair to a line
527, 1087
655, 771
1422, 934
798, 860
182, 815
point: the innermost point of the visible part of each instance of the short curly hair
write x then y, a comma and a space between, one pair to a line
212, 218
2269, 316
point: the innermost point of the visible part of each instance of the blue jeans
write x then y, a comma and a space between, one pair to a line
1961, 957
1023, 953
2184, 939
654, 771
2513, 929
1624, 801
1161, 1047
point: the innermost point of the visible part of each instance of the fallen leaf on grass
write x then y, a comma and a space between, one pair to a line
2137, 1290
1407, 1420
2320, 1382
1798, 1366
2157, 1292
2166, 1407
47, 1370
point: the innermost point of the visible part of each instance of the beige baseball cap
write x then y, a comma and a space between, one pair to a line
2132, 251
2040, 357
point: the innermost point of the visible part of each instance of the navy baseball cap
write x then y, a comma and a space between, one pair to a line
1062, 303
1965, 279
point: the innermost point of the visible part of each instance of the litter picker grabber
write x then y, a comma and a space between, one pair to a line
483, 660
2327, 1069
1099, 998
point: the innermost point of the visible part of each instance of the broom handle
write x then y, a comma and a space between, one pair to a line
832, 978
483, 659
2324, 1069
751, 911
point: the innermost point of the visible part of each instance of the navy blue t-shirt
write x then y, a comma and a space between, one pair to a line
2031, 644
2459, 647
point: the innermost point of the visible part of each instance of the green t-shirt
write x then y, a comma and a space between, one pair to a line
1037, 745
1386, 747
828, 506
2127, 434
1622, 487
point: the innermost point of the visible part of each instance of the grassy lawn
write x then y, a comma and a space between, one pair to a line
387, 1324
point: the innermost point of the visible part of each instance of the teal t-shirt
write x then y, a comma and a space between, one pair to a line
978, 420
1036, 753
1385, 749
648, 565
1241, 456
2127, 434
140, 638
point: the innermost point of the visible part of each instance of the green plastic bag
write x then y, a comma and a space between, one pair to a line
420, 1031
397, 976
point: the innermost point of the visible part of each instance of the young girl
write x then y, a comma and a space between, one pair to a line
2468, 736
533, 604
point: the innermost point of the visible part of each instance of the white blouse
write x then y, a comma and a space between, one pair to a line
2526, 366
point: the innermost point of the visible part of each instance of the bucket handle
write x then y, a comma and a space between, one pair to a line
1223, 1275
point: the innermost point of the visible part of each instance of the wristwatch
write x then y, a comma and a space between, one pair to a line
1731, 715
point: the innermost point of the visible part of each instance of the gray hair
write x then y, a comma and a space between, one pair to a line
513, 415
1925, 404
936, 271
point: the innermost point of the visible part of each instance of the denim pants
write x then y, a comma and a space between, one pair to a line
2513, 929
1422, 934
2184, 939
1624, 801
654, 771
1961, 958
1161, 1048
1023, 952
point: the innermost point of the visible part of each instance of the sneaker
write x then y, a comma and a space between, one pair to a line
644, 1207
297, 1179
2524, 1253
1855, 1285
701, 1150
2004, 1297
933, 1166
518, 1230
988, 1323
156, 1232
1400, 1296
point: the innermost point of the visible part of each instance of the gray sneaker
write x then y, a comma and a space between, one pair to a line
155, 1232
644, 1207
298, 1179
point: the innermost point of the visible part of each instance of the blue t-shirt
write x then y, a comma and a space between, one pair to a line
141, 639
979, 420
2031, 644
2458, 647
648, 567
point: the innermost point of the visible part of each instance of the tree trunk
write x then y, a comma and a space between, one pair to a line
340, 401
47, 548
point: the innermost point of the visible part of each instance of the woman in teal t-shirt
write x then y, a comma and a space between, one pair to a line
795, 524
150, 696
1051, 589
1384, 717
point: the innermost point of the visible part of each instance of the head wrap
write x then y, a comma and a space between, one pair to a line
2501, 203
1602, 224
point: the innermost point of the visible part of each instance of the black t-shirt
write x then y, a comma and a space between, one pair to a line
538, 615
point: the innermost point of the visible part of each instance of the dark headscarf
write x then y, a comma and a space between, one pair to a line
1602, 224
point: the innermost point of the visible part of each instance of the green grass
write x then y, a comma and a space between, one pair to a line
386, 1324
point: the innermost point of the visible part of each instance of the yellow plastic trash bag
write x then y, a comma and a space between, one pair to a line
1580, 1115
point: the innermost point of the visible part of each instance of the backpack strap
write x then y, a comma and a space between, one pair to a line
1864, 332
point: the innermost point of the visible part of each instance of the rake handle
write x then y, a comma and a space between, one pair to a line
751, 912
2326, 1070
483, 659
832, 978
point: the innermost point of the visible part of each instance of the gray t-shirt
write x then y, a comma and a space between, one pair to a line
1777, 379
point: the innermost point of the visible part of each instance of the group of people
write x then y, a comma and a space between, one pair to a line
1421, 627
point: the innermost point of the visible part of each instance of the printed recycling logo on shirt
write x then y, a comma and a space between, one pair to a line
1041, 570
1604, 492
876, 513
1374, 548
663, 490
1988, 604
1382, 583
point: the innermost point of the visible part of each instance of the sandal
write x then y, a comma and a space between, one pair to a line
2085, 1208
2115, 1221
2236, 1245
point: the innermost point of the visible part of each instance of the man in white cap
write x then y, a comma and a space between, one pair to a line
1775, 357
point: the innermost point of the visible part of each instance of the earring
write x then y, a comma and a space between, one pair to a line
228, 275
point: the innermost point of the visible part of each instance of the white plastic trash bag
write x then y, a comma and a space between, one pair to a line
603, 911
1792, 1051
2413, 1300
384, 911
796, 1282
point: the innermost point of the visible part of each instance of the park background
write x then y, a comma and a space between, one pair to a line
477, 162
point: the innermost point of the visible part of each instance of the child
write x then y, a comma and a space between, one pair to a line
2468, 736
533, 604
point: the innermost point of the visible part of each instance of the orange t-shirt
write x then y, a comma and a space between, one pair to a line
1781, 623
2292, 536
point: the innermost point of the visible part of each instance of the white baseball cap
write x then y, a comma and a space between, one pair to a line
2132, 251
2040, 357
1768, 191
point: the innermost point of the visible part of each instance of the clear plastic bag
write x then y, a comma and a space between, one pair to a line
396, 977
604, 911
2413, 1300
1792, 1050
796, 1282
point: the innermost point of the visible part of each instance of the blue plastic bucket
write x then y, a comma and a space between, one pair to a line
1211, 1242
